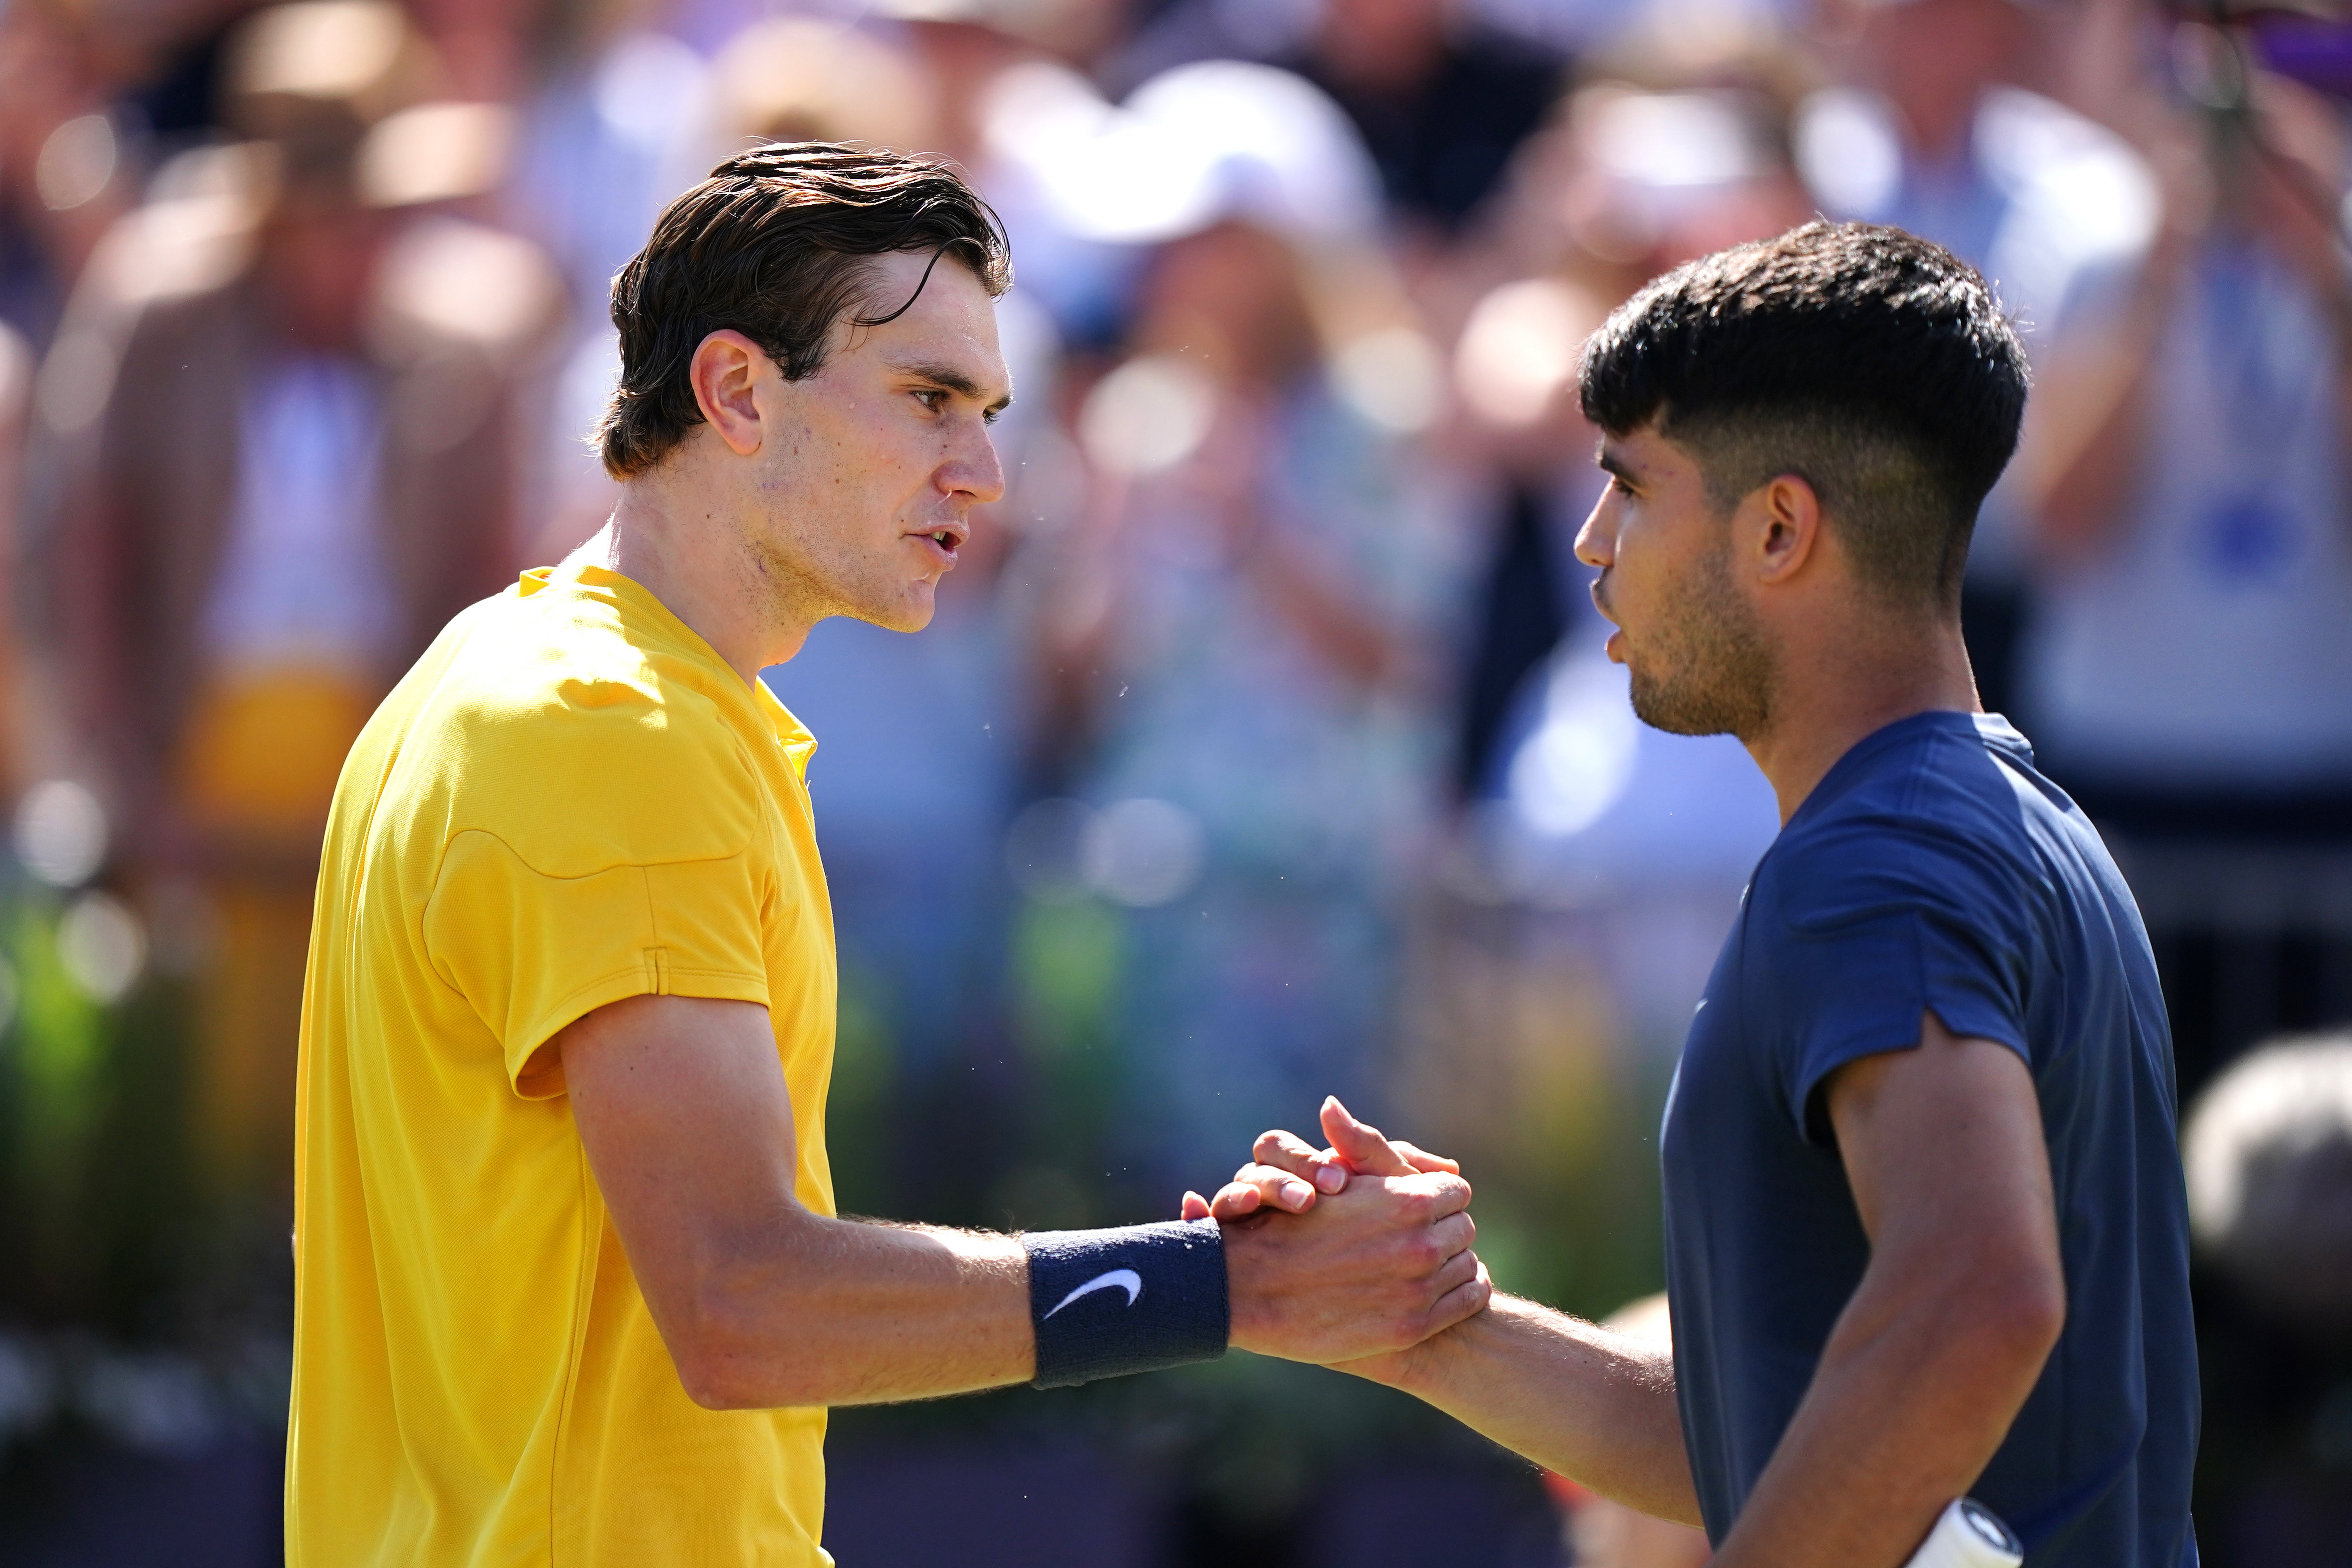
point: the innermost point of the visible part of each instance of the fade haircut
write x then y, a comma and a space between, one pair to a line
1872, 364
779, 245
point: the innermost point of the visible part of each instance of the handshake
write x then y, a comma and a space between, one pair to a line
1357, 1251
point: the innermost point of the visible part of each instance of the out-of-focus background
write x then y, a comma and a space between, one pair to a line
1262, 747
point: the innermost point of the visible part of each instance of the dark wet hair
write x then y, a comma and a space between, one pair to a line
1874, 365
778, 244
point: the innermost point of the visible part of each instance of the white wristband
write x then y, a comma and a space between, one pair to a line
1969, 1535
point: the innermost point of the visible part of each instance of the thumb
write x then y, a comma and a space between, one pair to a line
1359, 1143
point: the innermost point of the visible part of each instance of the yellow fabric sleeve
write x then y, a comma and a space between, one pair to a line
531, 952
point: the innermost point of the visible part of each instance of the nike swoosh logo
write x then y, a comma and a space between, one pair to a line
1127, 1279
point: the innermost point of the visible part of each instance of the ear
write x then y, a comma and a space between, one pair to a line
1785, 516
725, 373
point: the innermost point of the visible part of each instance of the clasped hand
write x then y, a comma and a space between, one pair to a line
1353, 1251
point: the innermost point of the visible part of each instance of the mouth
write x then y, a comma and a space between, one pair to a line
943, 541
1615, 646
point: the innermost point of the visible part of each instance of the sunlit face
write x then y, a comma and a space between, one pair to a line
1699, 662
870, 468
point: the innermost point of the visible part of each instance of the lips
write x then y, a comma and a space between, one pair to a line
944, 540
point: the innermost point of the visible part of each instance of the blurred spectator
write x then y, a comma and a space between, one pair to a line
2268, 1152
281, 404
1441, 101
15, 406
1441, 97
1248, 636
1933, 134
2195, 641
64, 176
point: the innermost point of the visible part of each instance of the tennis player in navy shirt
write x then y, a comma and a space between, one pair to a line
1926, 1228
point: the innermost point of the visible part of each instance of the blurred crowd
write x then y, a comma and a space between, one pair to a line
1263, 746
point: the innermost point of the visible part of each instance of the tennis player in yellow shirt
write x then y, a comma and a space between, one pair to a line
570, 1288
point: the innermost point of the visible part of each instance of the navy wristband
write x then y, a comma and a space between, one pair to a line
1109, 1302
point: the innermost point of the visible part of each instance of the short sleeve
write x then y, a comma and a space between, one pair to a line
531, 951
1872, 929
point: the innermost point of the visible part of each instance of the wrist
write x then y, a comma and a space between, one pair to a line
1105, 1303
1249, 1312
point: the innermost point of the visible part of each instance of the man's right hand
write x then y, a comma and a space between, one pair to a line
1382, 1261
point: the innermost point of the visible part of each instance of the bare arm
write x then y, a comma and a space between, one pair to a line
1963, 1299
1928, 1364
2088, 425
1591, 1405
682, 1109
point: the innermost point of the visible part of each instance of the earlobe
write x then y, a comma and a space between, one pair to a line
726, 373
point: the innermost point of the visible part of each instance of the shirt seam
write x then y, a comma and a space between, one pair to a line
441, 865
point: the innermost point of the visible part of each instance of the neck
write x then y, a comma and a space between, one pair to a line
1832, 696
683, 551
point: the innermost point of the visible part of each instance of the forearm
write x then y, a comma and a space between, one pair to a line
2086, 433
829, 1311
1595, 1407
1914, 1391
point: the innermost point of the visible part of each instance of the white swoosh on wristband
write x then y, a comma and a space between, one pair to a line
1127, 1279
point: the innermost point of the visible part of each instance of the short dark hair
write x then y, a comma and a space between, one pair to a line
778, 244
1876, 366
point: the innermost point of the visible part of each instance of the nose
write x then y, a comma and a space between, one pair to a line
973, 470
1596, 541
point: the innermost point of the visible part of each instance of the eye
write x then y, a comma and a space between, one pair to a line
1617, 483
932, 397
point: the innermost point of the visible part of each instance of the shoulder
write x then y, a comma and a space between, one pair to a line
1940, 824
582, 747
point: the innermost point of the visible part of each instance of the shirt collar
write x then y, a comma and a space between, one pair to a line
1991, 730
793, 735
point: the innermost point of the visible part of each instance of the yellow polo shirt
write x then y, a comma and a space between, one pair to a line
569, 800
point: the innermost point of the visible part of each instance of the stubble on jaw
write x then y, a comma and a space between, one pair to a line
801, 572
1712, 672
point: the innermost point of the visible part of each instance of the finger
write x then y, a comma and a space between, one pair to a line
1421, 1159
1292, 1154
1458, 1271
1454, 1233
1195, 1206
1359, 1144
1278, 1187
1441, 1194
1275, 1187
1465, 1301
1235, 1200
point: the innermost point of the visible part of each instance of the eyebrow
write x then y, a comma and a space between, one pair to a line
952, 379
1612, 462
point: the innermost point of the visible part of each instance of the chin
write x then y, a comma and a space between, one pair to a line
911, 613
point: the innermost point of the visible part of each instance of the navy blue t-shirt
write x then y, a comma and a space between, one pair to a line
1934, 869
